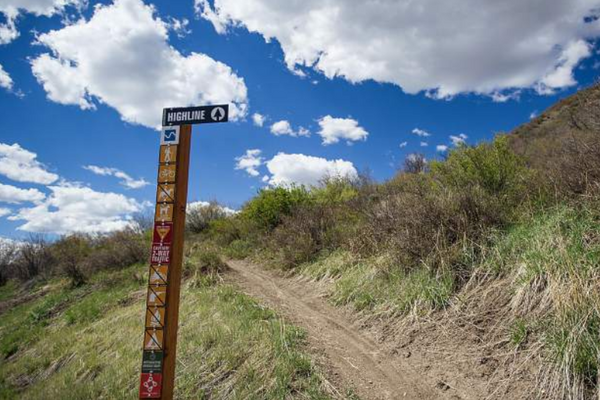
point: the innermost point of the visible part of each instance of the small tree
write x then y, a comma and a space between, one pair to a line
34, 258
415, 164
8, 253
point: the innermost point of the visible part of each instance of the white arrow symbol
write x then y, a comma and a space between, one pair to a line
217, 114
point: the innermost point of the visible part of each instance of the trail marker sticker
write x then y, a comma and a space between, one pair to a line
164, 212
165, 193
195, 115
150, 386
152, 361
163, 233
157, 296
153, 339
161, 254
155, 317
166, 173
158, 274
169, 135
168, 154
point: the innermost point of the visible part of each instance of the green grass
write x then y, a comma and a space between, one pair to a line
380, 286
86, 343
554, 262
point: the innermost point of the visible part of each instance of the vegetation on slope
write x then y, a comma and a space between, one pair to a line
62, 341
440, 232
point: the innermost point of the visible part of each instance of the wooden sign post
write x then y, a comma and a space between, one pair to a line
164, 283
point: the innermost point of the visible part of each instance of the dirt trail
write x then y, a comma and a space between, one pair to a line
353, 358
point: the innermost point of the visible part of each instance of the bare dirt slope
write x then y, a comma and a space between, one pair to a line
351, 356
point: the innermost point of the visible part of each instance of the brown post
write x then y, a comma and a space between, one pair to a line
162, 310
173, 289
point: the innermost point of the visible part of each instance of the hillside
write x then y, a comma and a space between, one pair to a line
473, 277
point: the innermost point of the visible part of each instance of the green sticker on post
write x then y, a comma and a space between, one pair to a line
152, 361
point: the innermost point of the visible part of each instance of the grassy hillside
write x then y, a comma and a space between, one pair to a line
63, 342
516, 220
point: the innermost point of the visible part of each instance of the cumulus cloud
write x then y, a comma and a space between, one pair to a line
125, 179
421, 132
121, 57
424, 45
4, 212
458, 139
6, 81
258, 119
403, 145
11, 9
14, 195
424, 144
249, 162
283, 127
21, 165
335, 129
72, 208
300, 169
441, 148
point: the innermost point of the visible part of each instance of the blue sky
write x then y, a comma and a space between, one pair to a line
71, 97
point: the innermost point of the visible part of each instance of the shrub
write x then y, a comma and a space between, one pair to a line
70, 253
117, 250
34, 258
8, 254
205, 267
271, 205
200, 217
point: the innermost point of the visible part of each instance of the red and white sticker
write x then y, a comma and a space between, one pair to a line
161, 254
150, 386
163, 233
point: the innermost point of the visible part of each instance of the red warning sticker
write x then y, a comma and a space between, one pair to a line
150, 386
161, 254
163, 233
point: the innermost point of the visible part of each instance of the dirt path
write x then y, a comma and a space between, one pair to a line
353, 358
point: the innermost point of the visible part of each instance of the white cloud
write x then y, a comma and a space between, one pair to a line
73, 208
12, 8
121, 57
14, 195
460, 139
6, 81
21, 165
421, 132
424, 45
424, 144
200, 204
335, 129
284, 127
533, 114
258, 119
287, 169
126, 179
441, 148
403, 145
4, 212
249, 162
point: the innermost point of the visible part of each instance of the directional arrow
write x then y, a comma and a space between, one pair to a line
217, 114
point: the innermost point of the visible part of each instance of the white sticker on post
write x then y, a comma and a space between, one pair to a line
169, 135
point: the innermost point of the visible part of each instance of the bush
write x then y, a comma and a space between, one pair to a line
205, 266
270, 206
34, 258
70, 253
200, 217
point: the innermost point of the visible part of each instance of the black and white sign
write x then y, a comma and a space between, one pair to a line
195, 115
